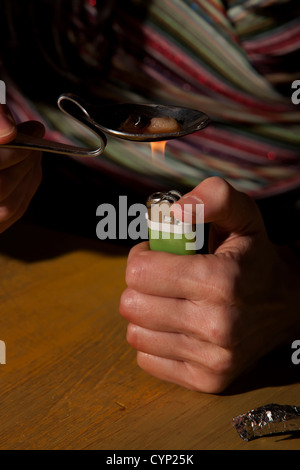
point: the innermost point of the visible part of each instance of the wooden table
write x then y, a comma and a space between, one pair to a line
71, 380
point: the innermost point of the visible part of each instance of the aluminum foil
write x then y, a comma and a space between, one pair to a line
266, 420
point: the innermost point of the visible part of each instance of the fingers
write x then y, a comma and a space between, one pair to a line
202, 320
20, 170
185, 374
34, 128
224, 206
201, 358
12, 177
179, 347
163, 274
166, 277
197, 277
163, 314
11, 157
15, 205
8, 129
157, 313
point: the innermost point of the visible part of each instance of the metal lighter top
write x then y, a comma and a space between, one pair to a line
166, 233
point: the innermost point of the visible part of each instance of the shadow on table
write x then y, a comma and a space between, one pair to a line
62, 215
275, 369
32, 243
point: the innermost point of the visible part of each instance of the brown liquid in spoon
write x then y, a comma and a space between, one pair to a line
156, 125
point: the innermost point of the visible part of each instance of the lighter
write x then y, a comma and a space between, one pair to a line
166, 233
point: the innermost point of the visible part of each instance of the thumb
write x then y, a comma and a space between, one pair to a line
228, 210
8, 129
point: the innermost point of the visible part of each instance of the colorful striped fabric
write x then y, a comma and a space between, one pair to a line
234, 60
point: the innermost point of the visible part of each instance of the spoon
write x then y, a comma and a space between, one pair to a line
109, 120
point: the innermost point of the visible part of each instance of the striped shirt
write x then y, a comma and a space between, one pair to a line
237, 61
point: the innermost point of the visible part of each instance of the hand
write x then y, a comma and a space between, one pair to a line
20, 170
201, 320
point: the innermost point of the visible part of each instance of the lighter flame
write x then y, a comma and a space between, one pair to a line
158, 150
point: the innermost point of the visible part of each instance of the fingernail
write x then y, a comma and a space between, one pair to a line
188, 209
190, 203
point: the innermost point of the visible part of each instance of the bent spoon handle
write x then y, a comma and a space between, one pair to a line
24, 141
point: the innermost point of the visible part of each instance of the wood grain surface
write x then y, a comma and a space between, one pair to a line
71, 381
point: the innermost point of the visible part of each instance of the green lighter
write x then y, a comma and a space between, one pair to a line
166, 233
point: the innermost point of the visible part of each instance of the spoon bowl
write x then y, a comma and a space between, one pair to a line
111, 120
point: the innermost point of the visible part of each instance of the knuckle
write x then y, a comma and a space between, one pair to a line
127, 301
217, 384
132, 336
219, 187
223, 362
223, 329
207, 382
134, 271
227, 281
6, 213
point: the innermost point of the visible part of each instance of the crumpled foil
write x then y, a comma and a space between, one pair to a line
266, 420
